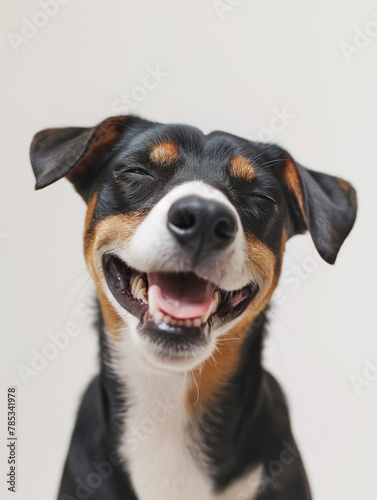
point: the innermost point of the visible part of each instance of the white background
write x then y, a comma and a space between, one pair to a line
229, 74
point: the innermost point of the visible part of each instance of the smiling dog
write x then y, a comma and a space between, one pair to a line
184, 238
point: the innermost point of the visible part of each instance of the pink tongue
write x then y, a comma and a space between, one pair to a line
182, 296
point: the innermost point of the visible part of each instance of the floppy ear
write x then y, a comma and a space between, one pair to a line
321, 203
75, 153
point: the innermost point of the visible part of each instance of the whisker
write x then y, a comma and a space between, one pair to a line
226, 340
120, 329
158, 378
300, 264
77, 276
268, 163
182, 386
295, 333
75, 299
279, 351
197, 388
150, 381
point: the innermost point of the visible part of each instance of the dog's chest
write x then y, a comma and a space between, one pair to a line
161, 441
162, 457
160, 445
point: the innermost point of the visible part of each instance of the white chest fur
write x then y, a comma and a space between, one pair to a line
158, 443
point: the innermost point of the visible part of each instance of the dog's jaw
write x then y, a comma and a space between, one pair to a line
153, 346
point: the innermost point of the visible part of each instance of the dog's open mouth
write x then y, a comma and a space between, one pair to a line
180, 300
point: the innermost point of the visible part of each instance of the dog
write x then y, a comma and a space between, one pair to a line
184, 238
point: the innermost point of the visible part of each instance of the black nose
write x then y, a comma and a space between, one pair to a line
202, 225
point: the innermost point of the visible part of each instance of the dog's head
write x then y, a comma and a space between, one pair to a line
185, 232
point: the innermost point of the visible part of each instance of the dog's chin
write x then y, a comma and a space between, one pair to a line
170, 358
178, 313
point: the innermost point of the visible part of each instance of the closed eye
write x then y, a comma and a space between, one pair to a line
263, 195
134, 170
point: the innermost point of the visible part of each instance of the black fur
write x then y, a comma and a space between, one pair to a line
249, 426
249, 423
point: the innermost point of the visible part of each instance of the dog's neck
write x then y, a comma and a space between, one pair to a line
236, 360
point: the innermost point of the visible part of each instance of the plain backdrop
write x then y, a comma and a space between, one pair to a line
229, 65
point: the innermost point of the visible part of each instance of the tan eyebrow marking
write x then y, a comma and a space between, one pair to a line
164, 153
242, 169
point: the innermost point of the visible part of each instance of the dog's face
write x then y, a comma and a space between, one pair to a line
185, 232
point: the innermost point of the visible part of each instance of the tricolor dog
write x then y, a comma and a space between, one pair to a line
184, 238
